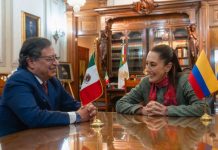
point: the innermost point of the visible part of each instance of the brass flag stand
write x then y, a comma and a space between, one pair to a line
97, 123
206, 118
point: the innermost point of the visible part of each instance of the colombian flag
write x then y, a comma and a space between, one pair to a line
202, 77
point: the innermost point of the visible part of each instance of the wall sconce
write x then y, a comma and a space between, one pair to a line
58, 34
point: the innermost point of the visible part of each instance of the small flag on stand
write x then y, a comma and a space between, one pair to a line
123, 69
91, 88
106, 78
202, 77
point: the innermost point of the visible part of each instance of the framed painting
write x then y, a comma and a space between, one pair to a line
64, 72
30, 26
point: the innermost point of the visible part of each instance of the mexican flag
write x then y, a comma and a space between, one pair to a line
106, 78
91, 88
123, 69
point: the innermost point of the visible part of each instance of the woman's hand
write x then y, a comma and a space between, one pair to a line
155, 123
154, 108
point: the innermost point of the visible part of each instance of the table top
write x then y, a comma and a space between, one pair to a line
119, 132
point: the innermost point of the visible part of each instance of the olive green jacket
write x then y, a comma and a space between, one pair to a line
187, 101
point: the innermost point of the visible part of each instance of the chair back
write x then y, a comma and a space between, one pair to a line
3, 78
131, 83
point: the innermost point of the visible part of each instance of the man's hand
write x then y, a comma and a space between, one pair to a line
87, 112
154, 108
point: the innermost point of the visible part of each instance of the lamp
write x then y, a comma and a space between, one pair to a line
58, 34
76, 4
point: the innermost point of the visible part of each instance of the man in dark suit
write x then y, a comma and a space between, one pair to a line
33, 97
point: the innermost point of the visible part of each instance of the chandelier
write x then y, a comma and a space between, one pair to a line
76, 4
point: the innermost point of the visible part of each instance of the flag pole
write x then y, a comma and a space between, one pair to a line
97, 123
206, 118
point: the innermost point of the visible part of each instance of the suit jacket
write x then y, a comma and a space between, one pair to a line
24, 104
188, 103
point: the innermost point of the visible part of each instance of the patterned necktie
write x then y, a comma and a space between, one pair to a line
45, 87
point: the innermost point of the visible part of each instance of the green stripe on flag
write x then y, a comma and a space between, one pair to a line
121, 62
92, 60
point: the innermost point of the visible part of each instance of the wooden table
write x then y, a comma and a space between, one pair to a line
127, 132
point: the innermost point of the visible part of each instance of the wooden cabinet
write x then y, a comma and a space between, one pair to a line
116, 49
135, 52
177, 38
138, 42
180, 45
159, 36
133, 42
183, 56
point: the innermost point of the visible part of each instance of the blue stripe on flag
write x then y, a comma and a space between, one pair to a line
200, 81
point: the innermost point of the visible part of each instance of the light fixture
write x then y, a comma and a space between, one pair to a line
76, 4
58, 34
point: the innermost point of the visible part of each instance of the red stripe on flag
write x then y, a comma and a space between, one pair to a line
195, 86
124, 52
91, 93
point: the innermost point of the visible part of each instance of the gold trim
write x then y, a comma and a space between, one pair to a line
23, 25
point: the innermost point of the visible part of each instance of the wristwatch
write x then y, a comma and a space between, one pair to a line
78, 117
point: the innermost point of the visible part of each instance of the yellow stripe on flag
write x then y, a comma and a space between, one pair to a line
207, 72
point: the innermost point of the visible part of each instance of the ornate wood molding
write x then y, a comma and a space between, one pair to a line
122, 12
145, 6
163, 8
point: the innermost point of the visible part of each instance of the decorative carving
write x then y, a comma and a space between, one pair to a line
102, 3
193, 42
103, 46
145, 6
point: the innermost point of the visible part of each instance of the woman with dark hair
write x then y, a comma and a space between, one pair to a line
165, 91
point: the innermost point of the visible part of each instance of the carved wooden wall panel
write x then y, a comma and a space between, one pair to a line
88, 25
214, 38
214, 15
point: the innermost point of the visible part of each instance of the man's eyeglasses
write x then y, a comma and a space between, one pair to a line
50, 59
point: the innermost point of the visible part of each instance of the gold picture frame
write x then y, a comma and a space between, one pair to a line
64, 72
30, 26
